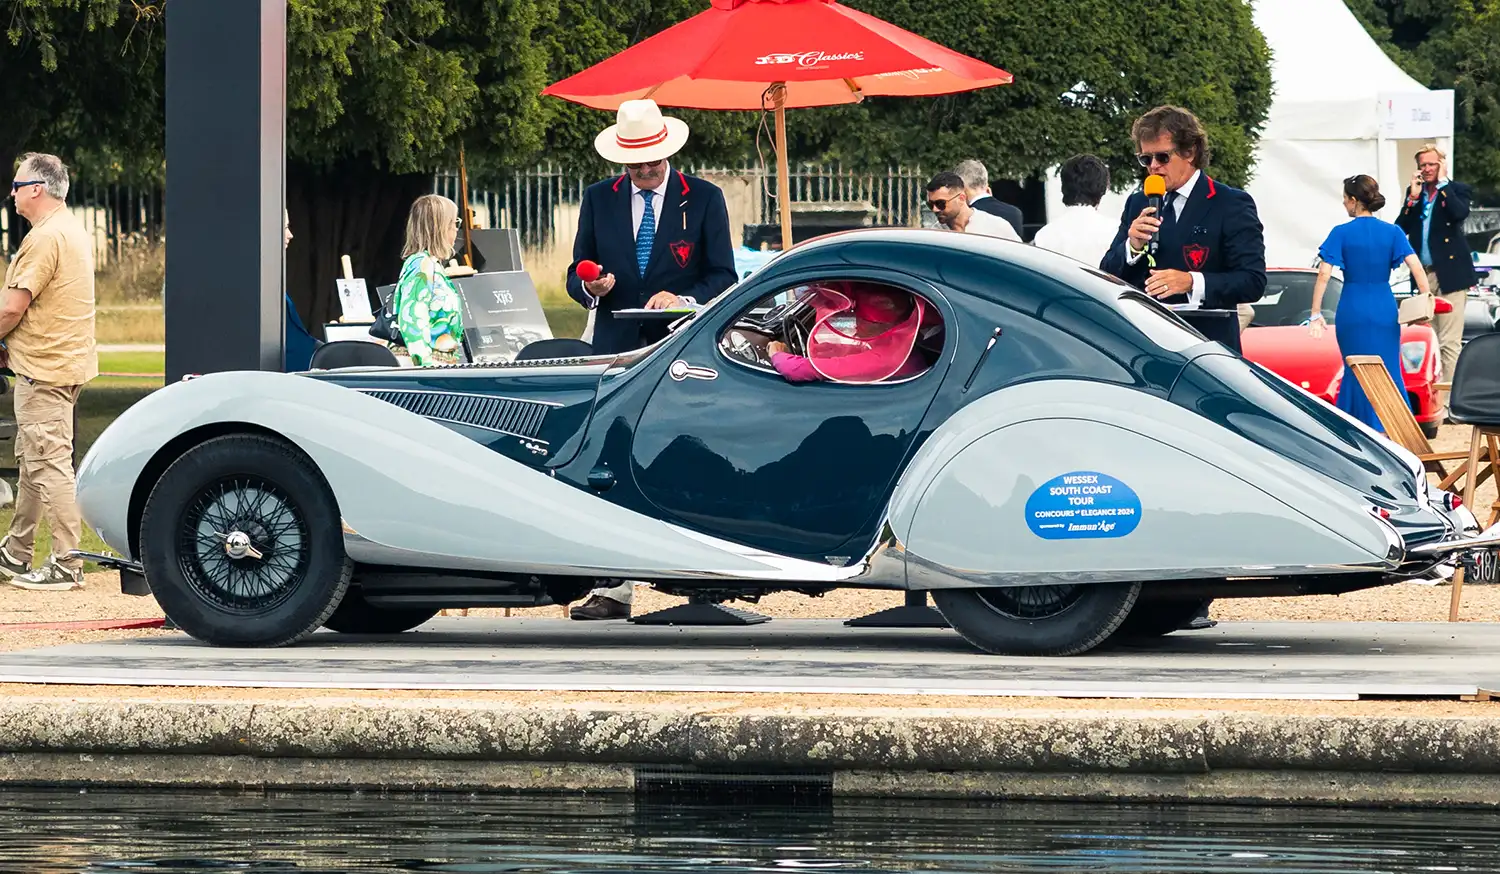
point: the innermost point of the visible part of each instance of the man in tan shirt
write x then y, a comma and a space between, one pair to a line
47, 326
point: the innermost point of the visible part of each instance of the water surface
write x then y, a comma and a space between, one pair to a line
47, 831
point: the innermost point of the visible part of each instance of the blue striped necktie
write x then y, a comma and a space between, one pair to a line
646, 235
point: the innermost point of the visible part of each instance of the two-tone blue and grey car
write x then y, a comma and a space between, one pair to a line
1071, 458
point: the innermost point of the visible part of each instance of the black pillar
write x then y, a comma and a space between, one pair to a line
226, 168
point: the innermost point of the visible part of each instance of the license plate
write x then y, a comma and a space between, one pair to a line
1481, 566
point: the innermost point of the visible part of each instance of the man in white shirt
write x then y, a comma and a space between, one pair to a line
977, 186
1080, 231
948, 200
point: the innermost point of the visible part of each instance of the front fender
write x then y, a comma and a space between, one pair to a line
416, 493
1193, 500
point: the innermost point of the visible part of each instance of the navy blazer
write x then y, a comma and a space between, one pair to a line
692, 255
1451, 257
1218, 233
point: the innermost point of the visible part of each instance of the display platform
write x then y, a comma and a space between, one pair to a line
1246, 660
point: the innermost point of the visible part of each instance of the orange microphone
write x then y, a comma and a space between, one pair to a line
1155, 189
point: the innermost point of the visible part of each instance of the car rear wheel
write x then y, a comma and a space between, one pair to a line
355, 615
1156, 618
1038, 620
242, 544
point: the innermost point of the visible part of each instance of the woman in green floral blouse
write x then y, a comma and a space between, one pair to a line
429, 311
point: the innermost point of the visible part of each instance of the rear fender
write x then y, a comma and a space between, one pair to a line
1081, 481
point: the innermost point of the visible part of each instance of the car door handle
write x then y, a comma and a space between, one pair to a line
681, 370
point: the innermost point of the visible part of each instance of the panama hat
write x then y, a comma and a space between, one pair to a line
641, 134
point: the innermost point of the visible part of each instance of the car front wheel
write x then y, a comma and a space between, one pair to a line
1038, 620
242, 544
356, 616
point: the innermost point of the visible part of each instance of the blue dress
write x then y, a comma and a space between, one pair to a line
1366, 323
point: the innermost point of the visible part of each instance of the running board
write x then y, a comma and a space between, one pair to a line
132, 574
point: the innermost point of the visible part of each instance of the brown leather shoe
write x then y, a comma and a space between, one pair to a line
600, 607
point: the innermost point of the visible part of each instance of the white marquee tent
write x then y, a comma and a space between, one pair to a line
1339, 107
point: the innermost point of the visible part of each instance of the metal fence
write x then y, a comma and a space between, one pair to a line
118, 217
541, 203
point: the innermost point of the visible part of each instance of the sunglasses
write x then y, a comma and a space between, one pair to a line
17, 186
1150, 158
938, 205
649, 165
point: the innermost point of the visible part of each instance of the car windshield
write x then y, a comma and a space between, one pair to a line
1288, 299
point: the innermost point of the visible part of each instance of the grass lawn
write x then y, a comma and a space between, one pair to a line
91, 541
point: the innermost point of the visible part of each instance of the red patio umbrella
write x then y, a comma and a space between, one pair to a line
800, 53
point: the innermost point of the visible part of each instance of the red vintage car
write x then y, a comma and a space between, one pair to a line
1278, 340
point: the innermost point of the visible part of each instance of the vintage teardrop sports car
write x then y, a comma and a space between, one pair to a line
1070, 459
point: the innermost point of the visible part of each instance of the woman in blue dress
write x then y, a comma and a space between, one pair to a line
1366, 323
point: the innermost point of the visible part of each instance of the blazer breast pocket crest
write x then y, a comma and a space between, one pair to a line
681, 250
1195, 255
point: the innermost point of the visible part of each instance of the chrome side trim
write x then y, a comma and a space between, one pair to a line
924, 574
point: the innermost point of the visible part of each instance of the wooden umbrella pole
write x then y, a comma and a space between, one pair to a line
783, 182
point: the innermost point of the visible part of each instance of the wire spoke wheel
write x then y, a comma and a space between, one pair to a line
243, 545
1032, 602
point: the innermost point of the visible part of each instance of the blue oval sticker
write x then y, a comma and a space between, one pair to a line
1082, 504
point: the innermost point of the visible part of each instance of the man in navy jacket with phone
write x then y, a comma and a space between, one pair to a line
660, 236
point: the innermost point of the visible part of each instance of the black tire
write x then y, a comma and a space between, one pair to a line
273, 494
1037, 620
1158, 618
355, 615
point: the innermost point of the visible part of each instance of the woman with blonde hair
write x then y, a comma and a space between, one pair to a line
428, 309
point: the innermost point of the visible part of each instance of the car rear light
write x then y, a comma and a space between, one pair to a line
1452, 501
1413, 353
1381, 512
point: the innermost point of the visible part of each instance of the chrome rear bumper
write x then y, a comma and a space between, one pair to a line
1488, 538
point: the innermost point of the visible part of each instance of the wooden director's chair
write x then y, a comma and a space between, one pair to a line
1482, 457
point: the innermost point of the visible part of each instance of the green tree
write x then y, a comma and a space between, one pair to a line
382, 92
1084, 69
79, 78
1450, 44
1120, 57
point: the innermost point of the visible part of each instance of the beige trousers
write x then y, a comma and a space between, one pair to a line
1449, 328
44, 454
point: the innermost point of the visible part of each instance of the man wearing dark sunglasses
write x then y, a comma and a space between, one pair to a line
1206, 248
47, 324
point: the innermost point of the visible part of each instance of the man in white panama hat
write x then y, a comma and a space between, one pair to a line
661, 239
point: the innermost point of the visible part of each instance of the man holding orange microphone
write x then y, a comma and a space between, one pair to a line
1204, 245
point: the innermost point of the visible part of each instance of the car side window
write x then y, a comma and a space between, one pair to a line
853, 332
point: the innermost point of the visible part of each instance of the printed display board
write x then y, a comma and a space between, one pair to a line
502, 314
